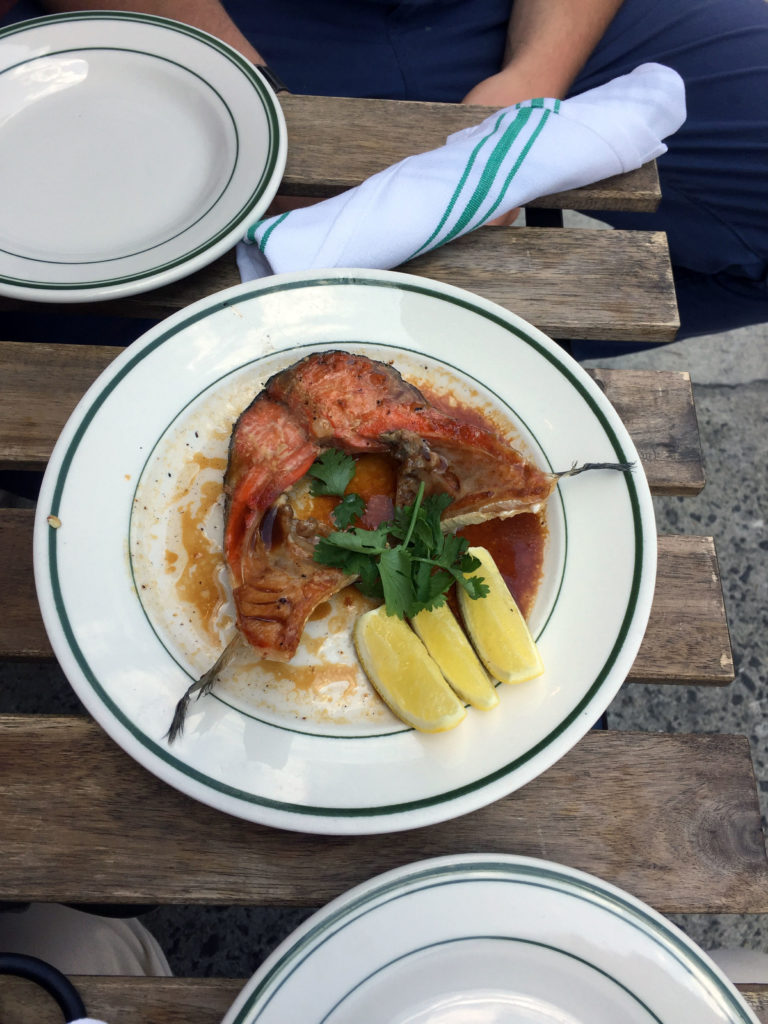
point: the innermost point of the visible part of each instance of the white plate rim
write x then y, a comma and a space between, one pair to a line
204, 251
341, 820
451, 869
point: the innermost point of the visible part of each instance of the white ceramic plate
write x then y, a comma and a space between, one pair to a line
137, 471
135, 151
488, 939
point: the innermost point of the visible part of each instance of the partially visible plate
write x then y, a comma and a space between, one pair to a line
493, 939
136, 150
133, 589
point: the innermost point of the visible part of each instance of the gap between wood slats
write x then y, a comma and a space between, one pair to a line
656, 407
345, 140
176, 1000
687, 640
673, 819
569, 282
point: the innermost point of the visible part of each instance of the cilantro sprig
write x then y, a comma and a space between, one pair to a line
408, 562
351, 507
331, 472
331, 475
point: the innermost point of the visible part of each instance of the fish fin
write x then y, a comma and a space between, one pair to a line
622, 467
201, 687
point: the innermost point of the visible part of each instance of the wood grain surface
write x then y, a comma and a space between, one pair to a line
757, 997
569, 282
674, 819
340, 142
655, 406
687, 640
658, 410
176, 1000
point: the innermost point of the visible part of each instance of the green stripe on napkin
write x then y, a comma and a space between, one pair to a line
460, 186
271, 228
490, 171
516, 167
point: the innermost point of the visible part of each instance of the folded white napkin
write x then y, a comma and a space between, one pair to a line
516, 155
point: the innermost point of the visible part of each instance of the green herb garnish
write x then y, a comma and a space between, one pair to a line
331, 472
351, 507
409, 562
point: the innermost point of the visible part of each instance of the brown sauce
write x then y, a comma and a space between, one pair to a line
198, 583
517, 547
517, 543
312, 679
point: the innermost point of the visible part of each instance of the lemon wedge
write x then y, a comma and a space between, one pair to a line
403, 674
497, 628
447, 643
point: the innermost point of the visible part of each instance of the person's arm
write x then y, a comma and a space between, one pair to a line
208, 15
548, 43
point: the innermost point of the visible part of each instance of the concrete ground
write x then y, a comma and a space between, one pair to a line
730, 376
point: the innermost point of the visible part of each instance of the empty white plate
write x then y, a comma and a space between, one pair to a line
135, 151
488, 939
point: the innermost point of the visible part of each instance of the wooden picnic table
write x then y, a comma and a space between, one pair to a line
677, 820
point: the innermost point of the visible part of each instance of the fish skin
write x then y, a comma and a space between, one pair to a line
345, 400
268, 452
338, 399
359, 404
275, 587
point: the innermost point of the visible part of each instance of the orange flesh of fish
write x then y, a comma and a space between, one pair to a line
337, 399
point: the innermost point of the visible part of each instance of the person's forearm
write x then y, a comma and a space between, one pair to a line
208, 15
548, 43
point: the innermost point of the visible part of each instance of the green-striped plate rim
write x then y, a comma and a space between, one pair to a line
444, 872
249, 201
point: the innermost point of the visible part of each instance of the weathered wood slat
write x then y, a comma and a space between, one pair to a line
31, 416
687, 639
687, 631
569, 282
22, 633
658, 410
551, 282
174, 1000
757, 997
656, 407
343, 141
82, 821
